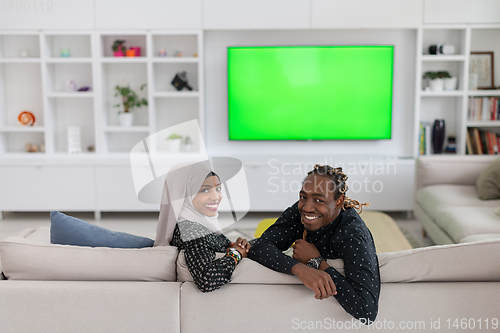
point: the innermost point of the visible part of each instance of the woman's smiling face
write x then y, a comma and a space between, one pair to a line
209, 196
317, 204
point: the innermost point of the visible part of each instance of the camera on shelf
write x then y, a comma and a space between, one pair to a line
442, 48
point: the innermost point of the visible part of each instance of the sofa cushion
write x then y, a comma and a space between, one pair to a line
34, 258
488, 183
460, 222
249, 271
68, 230
477, 261
497, 211
480, 237
436, 197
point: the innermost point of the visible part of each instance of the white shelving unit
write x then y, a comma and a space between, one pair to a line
38, 83
452, 106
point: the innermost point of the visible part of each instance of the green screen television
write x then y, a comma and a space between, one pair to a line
310, 92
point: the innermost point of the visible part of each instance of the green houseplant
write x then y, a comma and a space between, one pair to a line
130, 100
437, 79
174, 142
119, 48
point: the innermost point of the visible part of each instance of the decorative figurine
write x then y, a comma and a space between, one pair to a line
71, 86
31, 148
26, 118
65, 53
162, 52
180, 81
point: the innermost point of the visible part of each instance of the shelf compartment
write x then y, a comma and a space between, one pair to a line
20, 90
187, 44
11, 46
66, 112
15, 142
131, 40
454, 68
59, 74
78, 45
488, 40
165, 73
123, 74
455, 37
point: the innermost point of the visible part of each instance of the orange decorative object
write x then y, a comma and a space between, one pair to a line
26, 118
130, 53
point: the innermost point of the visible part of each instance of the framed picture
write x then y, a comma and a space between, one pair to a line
481, 64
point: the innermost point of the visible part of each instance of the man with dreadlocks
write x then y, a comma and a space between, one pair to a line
324, 224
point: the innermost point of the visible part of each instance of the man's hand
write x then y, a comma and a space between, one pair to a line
304, 251
318, 281
241, 245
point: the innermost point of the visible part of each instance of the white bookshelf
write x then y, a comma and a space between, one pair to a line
38, 83
453, 106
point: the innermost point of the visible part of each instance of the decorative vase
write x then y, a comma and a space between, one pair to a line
118, 53
137, 50
174, 145
450, 83
131, 53
126, 119
438, 131
436, 84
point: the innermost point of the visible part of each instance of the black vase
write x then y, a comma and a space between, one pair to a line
438, 136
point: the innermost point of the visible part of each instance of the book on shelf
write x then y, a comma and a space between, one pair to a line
483, 108
425, 139
482, 142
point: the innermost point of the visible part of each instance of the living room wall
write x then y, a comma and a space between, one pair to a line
216, 43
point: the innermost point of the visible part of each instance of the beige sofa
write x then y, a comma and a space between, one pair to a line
421, 287
446, 199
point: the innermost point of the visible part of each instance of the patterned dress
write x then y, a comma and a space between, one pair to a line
199, 251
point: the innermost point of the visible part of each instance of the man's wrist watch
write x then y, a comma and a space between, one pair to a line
315, 262
234, 253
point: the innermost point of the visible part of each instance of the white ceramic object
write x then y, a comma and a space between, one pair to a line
450, 83
126, 119
436, 84
174, 145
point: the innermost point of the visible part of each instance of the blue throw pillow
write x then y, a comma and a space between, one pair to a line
68, 230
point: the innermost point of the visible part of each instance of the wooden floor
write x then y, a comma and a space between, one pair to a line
386, 234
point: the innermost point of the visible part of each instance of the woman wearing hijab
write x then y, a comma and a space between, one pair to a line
188, 220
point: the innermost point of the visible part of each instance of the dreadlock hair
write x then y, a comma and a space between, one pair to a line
339, 182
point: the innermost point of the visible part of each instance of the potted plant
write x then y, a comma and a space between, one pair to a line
437, 79
130, 100
188, 144
174, 143
119, 48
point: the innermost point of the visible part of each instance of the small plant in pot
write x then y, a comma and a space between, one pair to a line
188, 144
174, 142
130, 100
119, 48
436, 79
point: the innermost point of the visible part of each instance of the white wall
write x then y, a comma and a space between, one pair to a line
216, 43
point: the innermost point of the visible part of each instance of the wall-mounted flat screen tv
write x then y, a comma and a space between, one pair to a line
310, 92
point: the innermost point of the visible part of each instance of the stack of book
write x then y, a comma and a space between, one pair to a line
484, 108
425, 139
482, 142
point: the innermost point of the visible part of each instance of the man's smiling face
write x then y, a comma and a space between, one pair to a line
317, 204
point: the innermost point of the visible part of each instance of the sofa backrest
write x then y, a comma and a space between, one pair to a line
448, 169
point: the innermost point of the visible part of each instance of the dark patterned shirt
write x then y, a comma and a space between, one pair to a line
208, 273
346, 237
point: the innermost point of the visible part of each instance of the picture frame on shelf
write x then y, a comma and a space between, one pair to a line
481, 64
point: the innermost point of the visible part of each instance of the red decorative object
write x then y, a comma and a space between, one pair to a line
118, 53
137, 50
26, 118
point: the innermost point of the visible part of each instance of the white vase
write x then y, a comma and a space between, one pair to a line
174, 145
450, 83
436, 84
126, 119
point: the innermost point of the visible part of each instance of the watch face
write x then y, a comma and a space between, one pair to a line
313, 263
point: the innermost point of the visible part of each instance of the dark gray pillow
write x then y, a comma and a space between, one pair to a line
67, 230
488, 183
